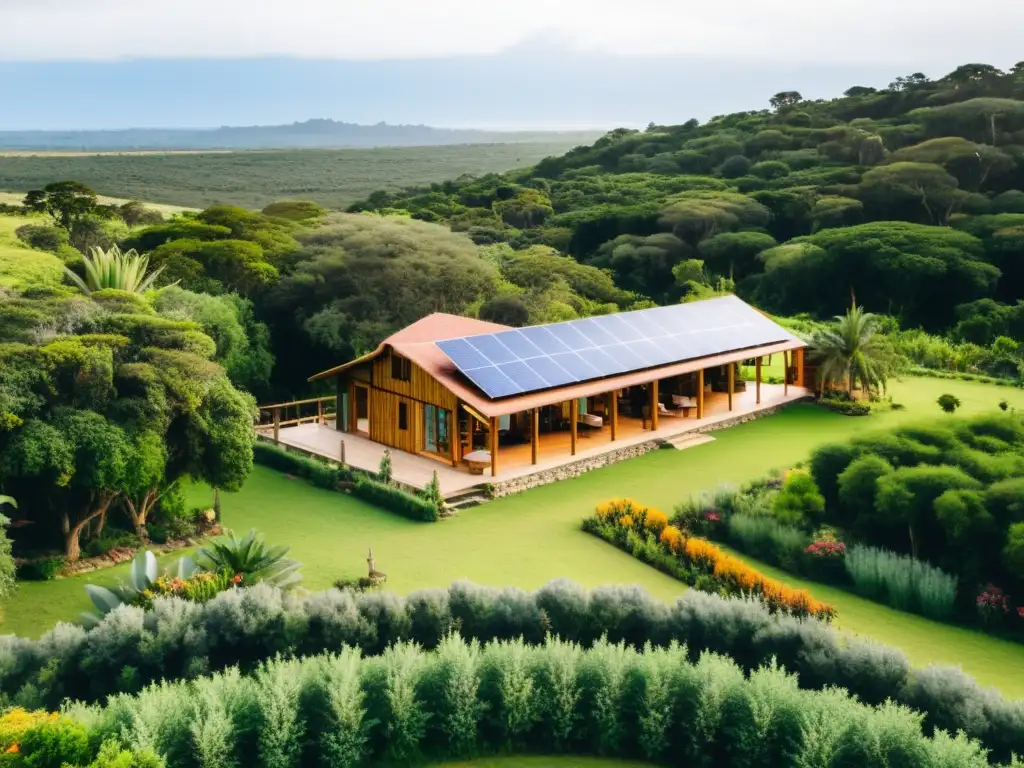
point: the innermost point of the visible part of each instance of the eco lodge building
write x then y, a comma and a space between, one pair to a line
461, 395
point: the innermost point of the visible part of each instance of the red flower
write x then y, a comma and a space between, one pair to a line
236, 579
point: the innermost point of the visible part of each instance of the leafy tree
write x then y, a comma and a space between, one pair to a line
698, 215
643, 263
735, 166
505, 310
906, 187
970, 163
43, 237
858, 486
908, 496
965, 520
7, 568
770, 169
948, 403
117, 270
835, 211
735, 253
785, 99
134, 213
66, 201
216, 266
850, 353
529, 208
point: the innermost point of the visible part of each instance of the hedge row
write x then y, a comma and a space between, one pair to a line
176, 639
394, 499
330, 476
409, 706
319, 473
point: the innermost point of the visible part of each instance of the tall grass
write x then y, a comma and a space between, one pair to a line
901, 581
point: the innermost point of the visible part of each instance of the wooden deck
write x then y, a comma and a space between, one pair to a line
516, 460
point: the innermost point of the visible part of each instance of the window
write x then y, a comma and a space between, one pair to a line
403, 416
400, 368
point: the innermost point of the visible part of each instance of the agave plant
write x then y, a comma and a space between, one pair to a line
113, 269
141, 575
251, 558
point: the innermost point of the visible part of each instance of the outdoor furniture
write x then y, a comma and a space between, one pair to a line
478, 461
591, 420
675, 412
682, 401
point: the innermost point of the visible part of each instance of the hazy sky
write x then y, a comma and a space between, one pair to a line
920, 33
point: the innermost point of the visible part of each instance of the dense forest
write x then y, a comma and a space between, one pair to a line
908, 198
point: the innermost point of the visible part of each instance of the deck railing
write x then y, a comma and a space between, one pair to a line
317, 410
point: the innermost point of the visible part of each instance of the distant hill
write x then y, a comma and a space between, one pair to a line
311, 134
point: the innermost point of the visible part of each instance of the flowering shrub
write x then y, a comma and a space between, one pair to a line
826, 548
42, 739
992, 604
200, 588
645, 533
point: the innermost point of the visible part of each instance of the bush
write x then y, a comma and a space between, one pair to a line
799, 501
948, 403
395, 500
845, 407
44, 569
767, 539
902, 582
319, 473
464, 699
176, 640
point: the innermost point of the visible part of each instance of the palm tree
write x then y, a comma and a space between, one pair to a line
851, 350
113, 269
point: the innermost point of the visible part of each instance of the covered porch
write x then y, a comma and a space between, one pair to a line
550, 450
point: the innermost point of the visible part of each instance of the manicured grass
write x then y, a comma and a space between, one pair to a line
529, 539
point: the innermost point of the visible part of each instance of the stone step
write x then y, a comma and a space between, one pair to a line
691, 439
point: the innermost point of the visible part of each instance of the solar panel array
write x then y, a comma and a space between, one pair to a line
540, 357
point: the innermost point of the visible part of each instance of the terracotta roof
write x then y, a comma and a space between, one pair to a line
416, 342
434, 327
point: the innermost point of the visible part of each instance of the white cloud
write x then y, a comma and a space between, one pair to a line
918, 33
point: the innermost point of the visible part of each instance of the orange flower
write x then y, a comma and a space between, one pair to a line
672, 538
655, 521
12, 750
626, 521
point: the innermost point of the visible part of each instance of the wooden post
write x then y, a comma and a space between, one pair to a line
341, 451
454, 437
494, 446
535, 433
700, 394
732, 382
614, 412
277, 425
654, 406
574, 414
757, 379
785, 373
319, 411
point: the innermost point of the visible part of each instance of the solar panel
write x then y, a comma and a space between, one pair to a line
540, 357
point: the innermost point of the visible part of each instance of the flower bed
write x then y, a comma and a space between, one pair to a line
647, 534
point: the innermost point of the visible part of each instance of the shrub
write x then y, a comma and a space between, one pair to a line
410, 705
395, 500
767, 539
799, 500
901, 581
44, 569
176, 639
319, 473
948, 403
845, 407
698, 562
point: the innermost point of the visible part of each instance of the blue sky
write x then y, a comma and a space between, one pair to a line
67, 64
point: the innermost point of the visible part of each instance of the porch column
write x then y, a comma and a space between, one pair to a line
535, 432
785, 372
654, 406
700, 394
757, 378
319, 411
574, 414
494, 446
454, 435
732, 382
277, 425
614, 408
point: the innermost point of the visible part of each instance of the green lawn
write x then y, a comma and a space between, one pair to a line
21, 266
529, 539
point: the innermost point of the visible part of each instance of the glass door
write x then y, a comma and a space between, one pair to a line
436, 430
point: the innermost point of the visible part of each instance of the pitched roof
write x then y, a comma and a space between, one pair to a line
437, 326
